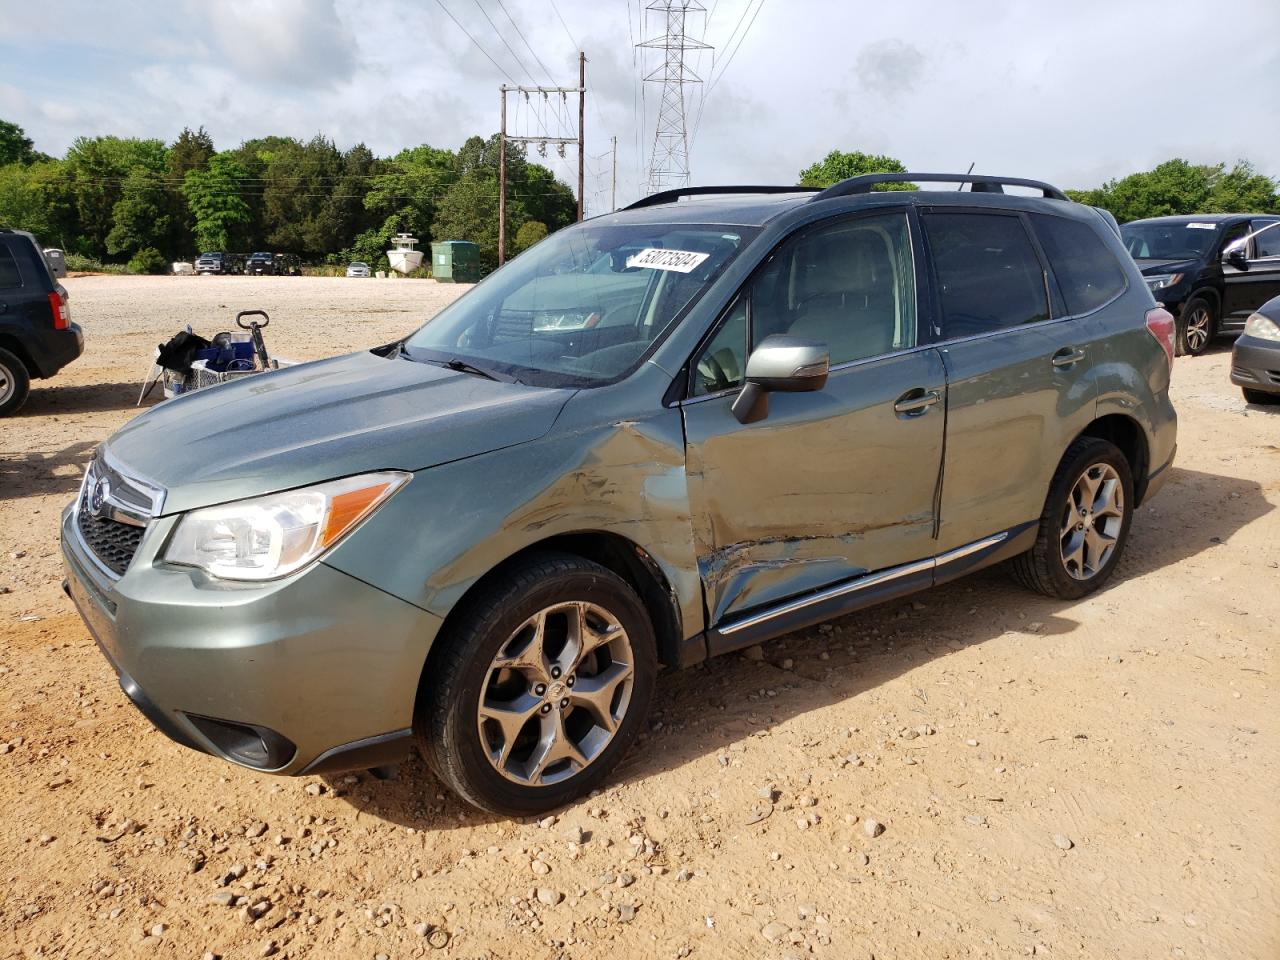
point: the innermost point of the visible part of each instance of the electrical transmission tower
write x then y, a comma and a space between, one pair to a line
669, 162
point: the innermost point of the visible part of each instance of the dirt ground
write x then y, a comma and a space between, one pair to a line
1092, 779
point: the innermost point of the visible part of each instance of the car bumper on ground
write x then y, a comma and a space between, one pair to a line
314, 673
1255, 364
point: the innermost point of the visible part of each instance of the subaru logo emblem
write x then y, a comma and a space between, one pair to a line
98, 496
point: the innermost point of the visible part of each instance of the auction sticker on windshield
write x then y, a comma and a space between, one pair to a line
1202, 226
655, 258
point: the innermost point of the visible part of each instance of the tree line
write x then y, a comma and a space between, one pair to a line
1173, 187
117, 199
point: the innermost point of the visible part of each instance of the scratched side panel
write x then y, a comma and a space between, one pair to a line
595, 471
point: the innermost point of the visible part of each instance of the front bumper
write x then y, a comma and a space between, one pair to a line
313, 673
1255, 364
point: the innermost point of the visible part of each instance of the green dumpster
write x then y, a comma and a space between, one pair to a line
455, 261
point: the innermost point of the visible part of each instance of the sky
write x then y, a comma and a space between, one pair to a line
1069, 92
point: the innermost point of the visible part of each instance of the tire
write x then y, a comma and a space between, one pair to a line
491, 757
15, 383
1260, 398
1045, 568
1197, 326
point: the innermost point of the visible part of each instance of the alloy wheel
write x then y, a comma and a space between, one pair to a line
8, 383
1091, 521
1198, 323
556, 693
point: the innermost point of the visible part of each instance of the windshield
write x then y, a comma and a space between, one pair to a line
583, 306
210, 256
1183, 240
261, 256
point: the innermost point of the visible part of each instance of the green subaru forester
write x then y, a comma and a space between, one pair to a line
717, 416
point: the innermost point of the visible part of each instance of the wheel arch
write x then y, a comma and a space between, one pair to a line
616, 553
1127, 434
15, 346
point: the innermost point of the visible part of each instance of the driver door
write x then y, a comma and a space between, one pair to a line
834, 484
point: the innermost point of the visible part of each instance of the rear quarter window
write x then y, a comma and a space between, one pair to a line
1086, 269
9, 275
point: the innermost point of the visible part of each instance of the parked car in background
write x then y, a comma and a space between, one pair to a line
261, 263
1185, 263
37, 337
779, 407
212, 262
1255, 357
359, 269
288, 265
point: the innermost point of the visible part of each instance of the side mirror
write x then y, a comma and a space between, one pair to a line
1237, 257
784, 364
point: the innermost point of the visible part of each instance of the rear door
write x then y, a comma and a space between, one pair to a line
24, 285
1246, 290
1018, 384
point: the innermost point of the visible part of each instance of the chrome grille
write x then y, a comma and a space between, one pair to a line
112, 542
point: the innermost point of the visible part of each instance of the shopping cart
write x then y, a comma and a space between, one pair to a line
230, 356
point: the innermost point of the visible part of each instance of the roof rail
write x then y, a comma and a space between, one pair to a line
980, 183
671, 196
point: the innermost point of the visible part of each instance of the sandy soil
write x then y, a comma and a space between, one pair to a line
1093, 779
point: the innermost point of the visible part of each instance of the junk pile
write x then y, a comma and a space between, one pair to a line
190, 362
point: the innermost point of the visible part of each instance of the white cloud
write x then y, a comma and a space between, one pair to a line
1073, 94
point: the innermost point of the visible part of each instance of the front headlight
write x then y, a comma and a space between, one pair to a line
1264, 328
272, 536
1161, 281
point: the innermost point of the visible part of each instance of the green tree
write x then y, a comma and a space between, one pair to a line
39, 198
469, 211
191, 151
1179, 187
141, 215
214, 194
409, 186
530, 232
838, 165
16, 147
98, 167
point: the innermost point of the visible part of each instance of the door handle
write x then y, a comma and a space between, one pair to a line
1067, 357
915, 402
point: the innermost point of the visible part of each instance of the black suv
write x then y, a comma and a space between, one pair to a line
37, 337
1209, 270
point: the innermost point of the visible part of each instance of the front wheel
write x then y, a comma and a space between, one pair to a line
1197, 327
1085, 523
544, 683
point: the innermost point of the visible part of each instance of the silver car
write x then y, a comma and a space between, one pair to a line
358, 269
658, 436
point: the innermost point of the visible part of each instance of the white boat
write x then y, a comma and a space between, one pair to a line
402, 256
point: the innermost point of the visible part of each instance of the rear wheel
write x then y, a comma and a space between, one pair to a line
1085, 523
1197, 327
15, 383
1258, 397
544, 683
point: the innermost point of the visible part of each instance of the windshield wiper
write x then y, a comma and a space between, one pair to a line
463, 366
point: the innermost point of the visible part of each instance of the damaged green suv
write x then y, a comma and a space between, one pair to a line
658, 436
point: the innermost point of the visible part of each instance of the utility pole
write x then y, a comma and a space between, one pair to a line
559, 142
582, 116
669, 161
613, 196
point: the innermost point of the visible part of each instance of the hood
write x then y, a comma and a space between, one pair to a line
1154, 267
322, 420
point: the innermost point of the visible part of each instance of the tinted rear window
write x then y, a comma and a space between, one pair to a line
1086, 269
989, 277
9, 275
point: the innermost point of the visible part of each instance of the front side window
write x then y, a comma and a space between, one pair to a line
582, 307
723, 361
989, 277
1085, 267
1267, 242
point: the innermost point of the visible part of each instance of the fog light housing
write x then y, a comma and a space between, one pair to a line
246, 743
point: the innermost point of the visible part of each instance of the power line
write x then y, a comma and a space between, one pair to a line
475, 41
669, 162
567, 33
519, 62
697, 123
520, 33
